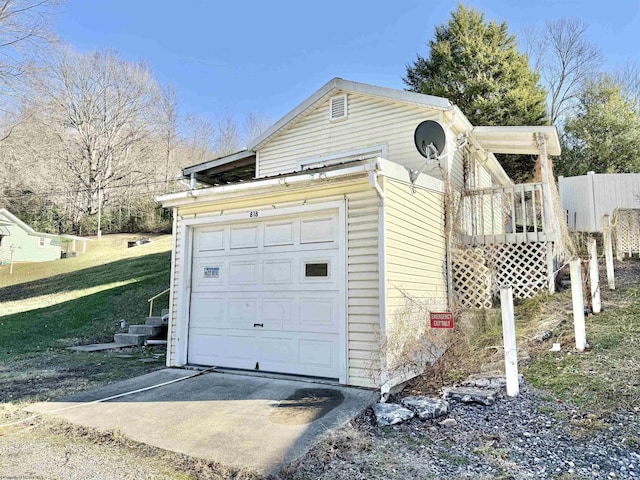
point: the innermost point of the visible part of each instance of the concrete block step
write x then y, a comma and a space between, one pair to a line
155, 321
150, 330
130, 338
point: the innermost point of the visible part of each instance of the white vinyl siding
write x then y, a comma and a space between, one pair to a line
371, 121
588, 197
173, 305
416, 259
28, 247
363, 308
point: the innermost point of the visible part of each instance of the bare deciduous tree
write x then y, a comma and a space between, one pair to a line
254, 125
100, 107
169, 129
24, 30
628, 76
199, 140
565, 58
227, 136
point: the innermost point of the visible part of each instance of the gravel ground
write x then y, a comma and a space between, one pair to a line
524, 437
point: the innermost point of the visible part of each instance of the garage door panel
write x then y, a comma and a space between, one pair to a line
278, 234
244, 237
206, 348
208, 273
243, 273
277, 313
317, 312
210, 240
278, 271
243, 312
241, 350
277, 352
318, 230
208, 312
318, 353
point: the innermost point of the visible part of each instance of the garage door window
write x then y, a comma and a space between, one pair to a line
316, 270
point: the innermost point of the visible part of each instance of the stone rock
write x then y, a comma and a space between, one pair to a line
448, 423
543, 336
427, 407
489, 380
391, 414
471, 395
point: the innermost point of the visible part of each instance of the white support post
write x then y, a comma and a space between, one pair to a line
547, 208
594, 277
509, 339
578, 305
608, 253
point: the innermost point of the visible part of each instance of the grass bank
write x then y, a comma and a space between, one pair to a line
46, 307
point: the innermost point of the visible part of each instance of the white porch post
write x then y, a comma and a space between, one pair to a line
594, 277
509, 339
547, 209
608, 253
578, 305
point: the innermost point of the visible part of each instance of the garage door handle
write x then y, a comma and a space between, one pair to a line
258, 325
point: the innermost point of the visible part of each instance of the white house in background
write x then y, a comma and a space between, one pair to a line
326, 237
28, 245
587, 198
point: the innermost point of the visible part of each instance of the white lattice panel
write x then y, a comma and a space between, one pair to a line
479, 272
471, 278
627, 225
522, 266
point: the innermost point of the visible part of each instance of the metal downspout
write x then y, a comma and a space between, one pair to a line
385, 381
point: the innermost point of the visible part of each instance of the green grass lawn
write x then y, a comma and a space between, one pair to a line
46, 307
605, 377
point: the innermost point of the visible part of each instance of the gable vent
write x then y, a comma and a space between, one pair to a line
338, 107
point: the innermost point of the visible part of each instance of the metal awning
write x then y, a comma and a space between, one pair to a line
233, 168
517, 140
4, 231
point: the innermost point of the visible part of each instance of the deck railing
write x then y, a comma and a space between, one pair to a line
511, 214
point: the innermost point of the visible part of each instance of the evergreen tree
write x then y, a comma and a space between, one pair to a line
476, 65
604, 134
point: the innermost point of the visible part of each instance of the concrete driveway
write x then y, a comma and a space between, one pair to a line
248, 422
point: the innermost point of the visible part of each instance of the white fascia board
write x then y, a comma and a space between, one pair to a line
394, 171
324, 90
338, 84
261, 186
462, 123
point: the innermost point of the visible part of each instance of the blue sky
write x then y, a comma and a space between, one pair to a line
267, 56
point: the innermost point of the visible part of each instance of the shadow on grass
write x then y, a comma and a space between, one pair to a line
117, 271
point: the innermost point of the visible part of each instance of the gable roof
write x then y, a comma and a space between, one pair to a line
13, 220
240, 166
336, 85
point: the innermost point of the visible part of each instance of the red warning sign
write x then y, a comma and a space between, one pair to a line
441, 319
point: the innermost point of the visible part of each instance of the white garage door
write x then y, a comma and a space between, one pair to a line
266, 295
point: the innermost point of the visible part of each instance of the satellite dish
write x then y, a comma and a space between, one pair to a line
430, 139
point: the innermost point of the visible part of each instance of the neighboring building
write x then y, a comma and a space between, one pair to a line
320, 249
28, 245
587, 198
